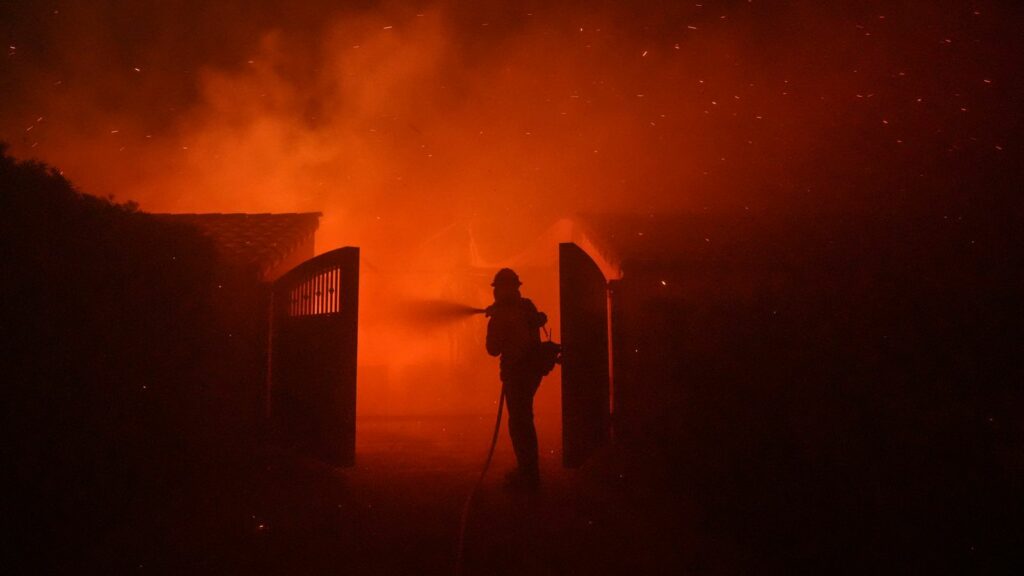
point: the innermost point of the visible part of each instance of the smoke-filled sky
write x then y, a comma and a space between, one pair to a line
401, 119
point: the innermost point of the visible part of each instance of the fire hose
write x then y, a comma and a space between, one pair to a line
439, 312
469, 498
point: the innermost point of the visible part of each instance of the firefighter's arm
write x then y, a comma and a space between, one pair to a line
537, 319
493, 338
541, 319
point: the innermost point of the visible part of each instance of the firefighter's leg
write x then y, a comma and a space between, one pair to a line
519, 395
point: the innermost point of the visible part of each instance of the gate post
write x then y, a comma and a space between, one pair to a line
583, 297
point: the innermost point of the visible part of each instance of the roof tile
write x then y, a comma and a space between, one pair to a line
263, 240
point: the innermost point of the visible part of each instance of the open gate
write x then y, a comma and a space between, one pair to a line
583, 298
312, 395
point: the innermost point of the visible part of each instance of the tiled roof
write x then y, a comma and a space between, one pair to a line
263, 240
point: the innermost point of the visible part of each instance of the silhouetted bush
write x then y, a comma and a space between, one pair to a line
108, 332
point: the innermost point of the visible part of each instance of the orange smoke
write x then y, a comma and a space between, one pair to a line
444, 140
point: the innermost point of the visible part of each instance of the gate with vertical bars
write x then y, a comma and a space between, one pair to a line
312, 384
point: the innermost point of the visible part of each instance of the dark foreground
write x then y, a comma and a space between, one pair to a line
397, 512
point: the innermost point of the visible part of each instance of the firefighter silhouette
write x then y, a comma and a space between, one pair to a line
513, 332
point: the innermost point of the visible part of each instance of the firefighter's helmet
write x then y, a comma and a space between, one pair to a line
506, 277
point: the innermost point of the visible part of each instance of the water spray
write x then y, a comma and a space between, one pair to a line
437, 312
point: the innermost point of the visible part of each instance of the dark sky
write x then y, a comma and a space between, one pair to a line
405, 118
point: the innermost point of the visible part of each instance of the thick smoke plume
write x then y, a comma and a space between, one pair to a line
398, 119
439, 135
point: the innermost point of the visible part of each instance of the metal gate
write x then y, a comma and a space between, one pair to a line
583, 297
312, 395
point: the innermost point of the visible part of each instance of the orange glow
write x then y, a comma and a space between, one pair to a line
449, 142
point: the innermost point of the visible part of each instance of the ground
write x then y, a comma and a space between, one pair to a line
397, 511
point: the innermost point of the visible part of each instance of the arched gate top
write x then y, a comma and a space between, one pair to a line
319, 285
